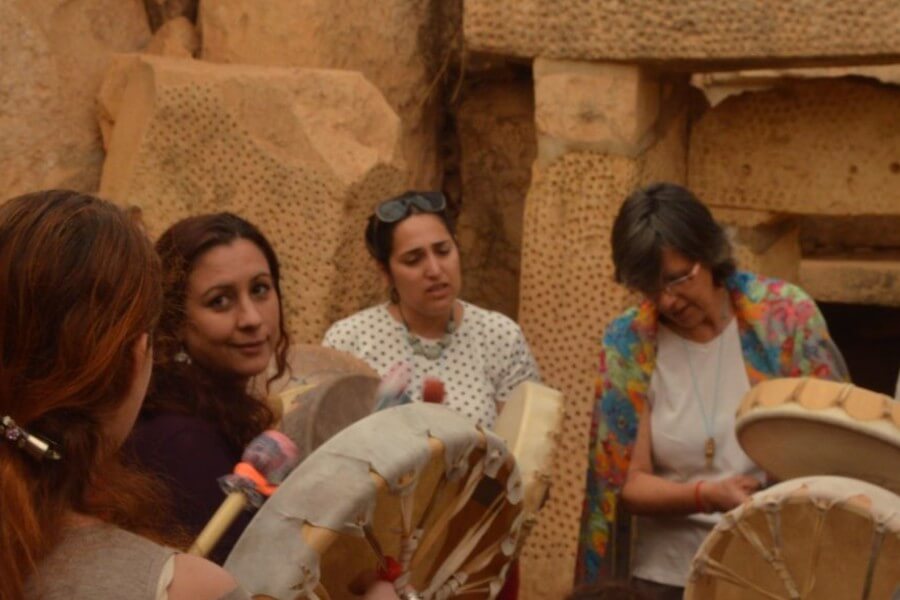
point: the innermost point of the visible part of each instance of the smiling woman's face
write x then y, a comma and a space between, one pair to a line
424, 265
232, 310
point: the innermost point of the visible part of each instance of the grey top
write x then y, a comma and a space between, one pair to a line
99, 562
103, 562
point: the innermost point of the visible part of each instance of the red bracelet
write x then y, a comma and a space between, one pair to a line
698, 502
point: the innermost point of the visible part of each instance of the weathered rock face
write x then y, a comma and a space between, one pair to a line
159, 12
53, 54
674, 30
591, 106
813, 147
177, 38
304, 154
496, 130
603, 130
390, 42
567, 298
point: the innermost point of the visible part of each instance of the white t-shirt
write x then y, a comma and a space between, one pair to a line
664, 546
487, 356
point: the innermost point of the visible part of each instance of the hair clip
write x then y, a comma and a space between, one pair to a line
37, 447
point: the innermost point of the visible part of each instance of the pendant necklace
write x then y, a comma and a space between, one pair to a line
709, 447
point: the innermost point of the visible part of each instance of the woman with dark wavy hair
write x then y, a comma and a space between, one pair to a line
79, 297
221, 325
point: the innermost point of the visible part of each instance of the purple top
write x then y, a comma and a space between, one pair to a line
189, 455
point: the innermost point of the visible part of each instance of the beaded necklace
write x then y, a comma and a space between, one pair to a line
430, 352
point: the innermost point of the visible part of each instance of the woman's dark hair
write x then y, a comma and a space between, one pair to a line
380, 235
80, 285
186, 387
665, 215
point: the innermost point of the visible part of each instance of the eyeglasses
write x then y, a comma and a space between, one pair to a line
391, 211
672, 286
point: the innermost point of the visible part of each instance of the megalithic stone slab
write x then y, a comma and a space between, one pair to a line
396, 44
302, 153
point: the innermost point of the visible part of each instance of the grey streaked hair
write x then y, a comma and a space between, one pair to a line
666, 215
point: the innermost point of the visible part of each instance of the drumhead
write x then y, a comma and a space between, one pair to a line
315, 415
434, 491
824, 537
800, 427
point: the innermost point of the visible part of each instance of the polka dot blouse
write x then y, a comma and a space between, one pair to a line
487, 357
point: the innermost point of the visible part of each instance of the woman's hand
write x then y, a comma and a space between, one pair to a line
725, 494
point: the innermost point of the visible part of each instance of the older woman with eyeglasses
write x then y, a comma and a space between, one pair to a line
479, 355
672, 373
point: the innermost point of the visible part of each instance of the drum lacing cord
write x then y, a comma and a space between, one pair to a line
443, 520
877, 540
822, 509
843, 394
795, 395
449, 571
409, 541
774, 557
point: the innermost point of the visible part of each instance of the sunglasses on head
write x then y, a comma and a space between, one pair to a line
391, 211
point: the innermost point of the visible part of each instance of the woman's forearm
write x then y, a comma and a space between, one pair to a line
645, 494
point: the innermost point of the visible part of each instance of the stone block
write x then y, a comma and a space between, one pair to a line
665, 159
599, 107
304, 154
495, 125
823, 235
829, 147
53, 55
693, 31
853, 280
394, 43
772, 250
567, 298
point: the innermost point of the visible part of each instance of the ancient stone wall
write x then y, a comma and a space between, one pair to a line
811, 147
602, 130
495, 124
392, 43
302, 153
53, 55
698, 32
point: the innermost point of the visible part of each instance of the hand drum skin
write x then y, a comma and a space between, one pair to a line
418, 483
308, 366
530, 423
317, 414
813, 538
799, 427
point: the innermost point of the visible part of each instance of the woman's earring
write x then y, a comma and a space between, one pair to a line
182, 356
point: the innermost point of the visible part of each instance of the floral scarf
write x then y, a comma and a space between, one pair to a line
782, 334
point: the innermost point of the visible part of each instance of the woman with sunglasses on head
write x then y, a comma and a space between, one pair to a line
221, 325
479, 355
80, 295
673, 371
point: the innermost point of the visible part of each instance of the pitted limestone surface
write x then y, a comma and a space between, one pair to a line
810, 147
392, 42
568, 295
304, 154
674, 30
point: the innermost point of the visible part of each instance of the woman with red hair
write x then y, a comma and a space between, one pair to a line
80, 292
